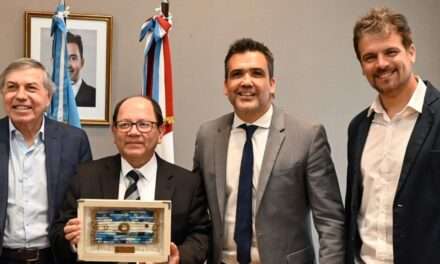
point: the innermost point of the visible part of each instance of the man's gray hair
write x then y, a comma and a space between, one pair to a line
27, 63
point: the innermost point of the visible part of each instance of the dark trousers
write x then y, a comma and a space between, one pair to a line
26, 256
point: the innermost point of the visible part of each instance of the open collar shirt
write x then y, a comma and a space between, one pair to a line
381, 166
26, 217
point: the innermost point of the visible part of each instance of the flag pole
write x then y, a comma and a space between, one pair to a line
63, 2
164, 7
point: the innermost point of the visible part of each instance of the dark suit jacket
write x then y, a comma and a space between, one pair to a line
65, 147
416, 208
189, 220
86, 96
297, 178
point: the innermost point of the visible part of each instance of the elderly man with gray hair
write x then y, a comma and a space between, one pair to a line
38, 156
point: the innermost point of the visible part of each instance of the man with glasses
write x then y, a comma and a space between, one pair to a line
137, 129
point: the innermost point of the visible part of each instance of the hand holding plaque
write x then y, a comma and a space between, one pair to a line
72, 231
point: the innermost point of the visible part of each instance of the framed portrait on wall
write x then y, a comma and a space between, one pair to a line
89, 43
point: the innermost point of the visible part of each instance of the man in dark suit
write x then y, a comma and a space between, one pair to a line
292, 176
393, 177
85, 95
137, 129
38, 156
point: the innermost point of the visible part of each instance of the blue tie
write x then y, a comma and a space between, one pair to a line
243, 220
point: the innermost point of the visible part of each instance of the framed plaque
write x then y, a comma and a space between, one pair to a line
124, 230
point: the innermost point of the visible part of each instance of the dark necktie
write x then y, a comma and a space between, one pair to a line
132, 192
243, 218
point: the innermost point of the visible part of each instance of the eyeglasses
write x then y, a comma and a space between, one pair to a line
142, 126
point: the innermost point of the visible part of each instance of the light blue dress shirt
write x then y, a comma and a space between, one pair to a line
26, 221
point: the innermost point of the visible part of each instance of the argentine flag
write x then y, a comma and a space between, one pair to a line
63, 106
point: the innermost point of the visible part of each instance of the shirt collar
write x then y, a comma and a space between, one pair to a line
415, 102
13, 131
76, 86
264, 121
148, 170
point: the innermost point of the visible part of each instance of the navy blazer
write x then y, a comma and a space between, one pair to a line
65, 147
416, 208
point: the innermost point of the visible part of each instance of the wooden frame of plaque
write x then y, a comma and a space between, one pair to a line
124, 230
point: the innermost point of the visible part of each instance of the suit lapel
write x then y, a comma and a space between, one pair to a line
164, 181
53, 150
419, 134
274, 141
109, 178
360, 135
220, 157
4, 164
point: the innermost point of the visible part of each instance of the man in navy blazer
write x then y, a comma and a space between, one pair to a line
38, 156
393, 177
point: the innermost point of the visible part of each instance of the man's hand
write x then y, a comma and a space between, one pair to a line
72, 231
174, 256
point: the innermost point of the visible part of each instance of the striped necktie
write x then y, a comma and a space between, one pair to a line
132, 192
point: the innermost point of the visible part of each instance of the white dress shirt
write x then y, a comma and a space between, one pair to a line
147, 181
381, 166
233, 163
76, 86
26, 215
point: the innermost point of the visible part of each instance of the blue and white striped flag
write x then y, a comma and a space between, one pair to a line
63, 106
